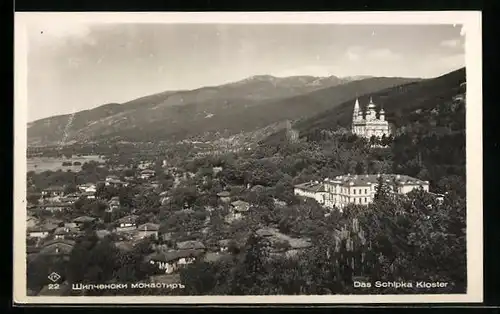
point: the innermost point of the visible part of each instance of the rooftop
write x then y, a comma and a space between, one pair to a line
312, 186
173, 255
84, 219
149, 227
194, 245
65, 230
57, 248
370, 179
43, 228
128, 219
59, 241
241, 205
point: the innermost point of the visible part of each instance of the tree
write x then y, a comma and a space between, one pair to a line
250, 273
382, 190
70, 188
33, 198
360, 167
199, 278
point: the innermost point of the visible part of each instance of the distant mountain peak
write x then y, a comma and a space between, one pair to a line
260, 77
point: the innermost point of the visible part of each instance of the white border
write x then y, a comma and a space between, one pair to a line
471, 21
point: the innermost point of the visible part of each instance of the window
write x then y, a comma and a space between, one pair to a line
354, 191
365, 200
366, 191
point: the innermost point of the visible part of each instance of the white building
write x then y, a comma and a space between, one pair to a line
356, 189
88, 188
311, 189
368, 125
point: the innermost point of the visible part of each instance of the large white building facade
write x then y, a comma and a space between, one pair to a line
356, 189
367, 124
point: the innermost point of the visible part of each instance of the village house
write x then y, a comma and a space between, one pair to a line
173, 260
147, 230
70, 225
127, 223
83, 221
144, 165
65, 233
70, 198
53, 191
147, 174
42, 231
225, 244
58, 248
225, 196
129, 179
156, 184
258, 189
113, 204
216, 170
88, 188
114, 181
279, 203
89, 195
439, 197
31, 221
237, 210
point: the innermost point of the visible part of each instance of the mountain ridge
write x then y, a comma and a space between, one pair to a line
177, 113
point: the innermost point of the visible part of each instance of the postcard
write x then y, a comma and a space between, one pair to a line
248, 158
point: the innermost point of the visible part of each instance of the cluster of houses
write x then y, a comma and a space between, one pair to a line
57, 237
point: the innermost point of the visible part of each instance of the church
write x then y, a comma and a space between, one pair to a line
368, 125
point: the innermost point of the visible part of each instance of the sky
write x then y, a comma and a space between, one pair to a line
74, 67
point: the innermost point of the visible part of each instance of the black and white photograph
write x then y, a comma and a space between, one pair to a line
298, 157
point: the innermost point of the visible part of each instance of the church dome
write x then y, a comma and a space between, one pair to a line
371, 105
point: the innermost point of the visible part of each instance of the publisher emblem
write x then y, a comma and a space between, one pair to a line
54, 277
